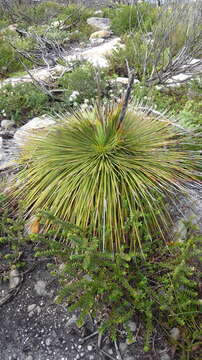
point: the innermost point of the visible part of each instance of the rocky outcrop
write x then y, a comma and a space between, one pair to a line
33, 126
99, 23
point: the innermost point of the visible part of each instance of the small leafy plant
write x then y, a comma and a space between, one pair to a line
160, 288
12, 238
22, 101
80, 84
131, 18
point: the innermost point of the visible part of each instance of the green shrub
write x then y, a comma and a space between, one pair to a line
42, 13
106, 178
80, 84
12, 238
3, 24
9, 60
191, 115
22, 101
134, 50
74, 21
159, 288
183, 102
74, 15
127, 18
151, 55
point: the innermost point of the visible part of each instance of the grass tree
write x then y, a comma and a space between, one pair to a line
107, 171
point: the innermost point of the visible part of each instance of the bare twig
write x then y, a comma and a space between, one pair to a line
107, 355
126, 98
117, 350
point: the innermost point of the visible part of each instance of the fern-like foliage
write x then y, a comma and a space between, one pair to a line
160, 287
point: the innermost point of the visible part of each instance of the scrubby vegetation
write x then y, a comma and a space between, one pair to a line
22, 102
97, 188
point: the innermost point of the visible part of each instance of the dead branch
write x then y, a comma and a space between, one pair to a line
126, 98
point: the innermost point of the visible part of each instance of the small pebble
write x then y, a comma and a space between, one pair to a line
31, 307
48, 341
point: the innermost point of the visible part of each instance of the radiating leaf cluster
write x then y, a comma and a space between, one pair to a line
107, 178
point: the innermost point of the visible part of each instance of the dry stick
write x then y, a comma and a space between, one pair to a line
107, 355
36, 82
118, 351
25, 55
126, 98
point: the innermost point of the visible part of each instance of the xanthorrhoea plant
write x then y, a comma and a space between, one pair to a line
106, 177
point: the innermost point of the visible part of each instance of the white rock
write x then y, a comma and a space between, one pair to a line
165, 357
99, 23
48, 341
102, 34
56, 23
124, 80
97, 41
98, 12
7, 124
14, 279
29, 357
97, 56
123, 347
132, 326
87, 277
6, 164
32, 127
121, 80
89, 348
31, 307
180, 231
175, 333
72, 320
40, 288
12, 27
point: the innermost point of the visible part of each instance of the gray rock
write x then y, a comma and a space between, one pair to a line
7, 124
33, 126
98, 12
48, 341
123, 347
132, 326
72, 320
40, 288
101, 34
165, 357
180, 230
14, 279
29, 357
31, 307
99, 23
96, 41
1, 142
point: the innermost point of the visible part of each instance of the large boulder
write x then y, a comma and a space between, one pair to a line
33, 126
97, 55
99, 23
